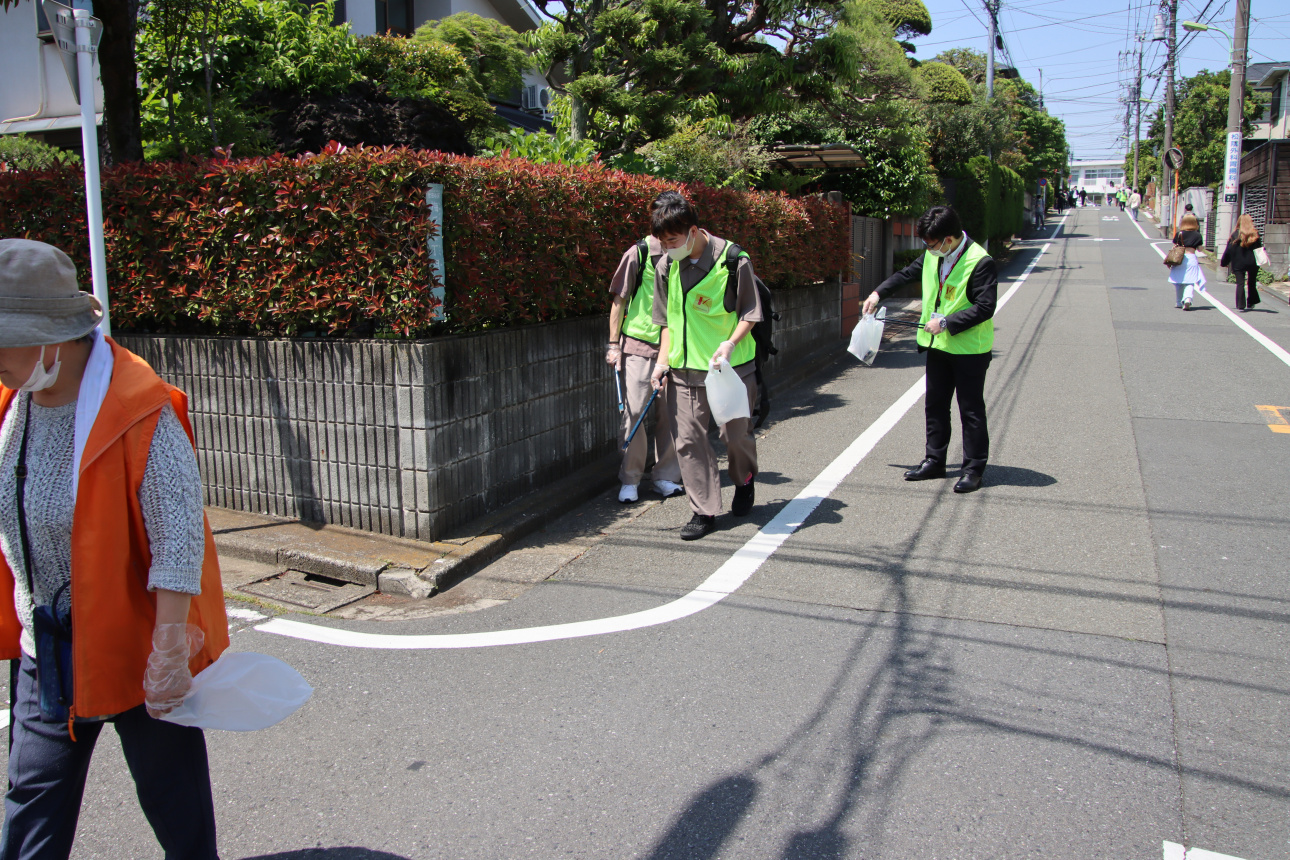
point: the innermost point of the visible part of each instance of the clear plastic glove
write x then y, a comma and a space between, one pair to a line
168, 679
722, 354
613, 356
658, 378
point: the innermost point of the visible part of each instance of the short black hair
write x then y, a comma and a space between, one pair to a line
673, 216
939, 222
665, 198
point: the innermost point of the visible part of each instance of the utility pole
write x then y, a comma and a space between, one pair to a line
992, 7
1137, 109
1171, 44
1235, 118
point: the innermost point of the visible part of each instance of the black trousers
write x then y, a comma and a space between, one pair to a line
950, 375
47, 771
1247, 287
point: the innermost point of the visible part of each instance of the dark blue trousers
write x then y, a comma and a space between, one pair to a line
47, 779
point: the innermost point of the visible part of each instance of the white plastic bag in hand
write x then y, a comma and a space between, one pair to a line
242, 692
727, 395
867, 336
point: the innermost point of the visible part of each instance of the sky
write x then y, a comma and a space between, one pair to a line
1086, 51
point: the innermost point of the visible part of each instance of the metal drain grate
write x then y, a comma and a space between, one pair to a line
308, 590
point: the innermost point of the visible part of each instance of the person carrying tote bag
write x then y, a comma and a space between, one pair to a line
1242, 257
1186, 275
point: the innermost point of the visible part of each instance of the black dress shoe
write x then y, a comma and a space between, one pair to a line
926, 470
697, 527
744, 498
970, 482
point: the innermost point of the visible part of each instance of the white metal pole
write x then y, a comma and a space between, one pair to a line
85, 51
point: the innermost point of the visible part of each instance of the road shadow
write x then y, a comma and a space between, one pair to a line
1016, 476
707, 820
343, 852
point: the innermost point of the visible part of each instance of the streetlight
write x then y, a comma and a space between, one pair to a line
1197, 27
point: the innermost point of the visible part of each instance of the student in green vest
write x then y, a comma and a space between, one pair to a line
701, 324
633, 349
960, 285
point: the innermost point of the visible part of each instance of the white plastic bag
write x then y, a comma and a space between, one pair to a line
242, 692
727, 395
1261, 257
867, 336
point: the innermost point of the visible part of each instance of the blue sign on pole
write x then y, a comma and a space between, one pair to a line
434, 200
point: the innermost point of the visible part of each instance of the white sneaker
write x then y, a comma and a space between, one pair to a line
627, 493
667, 489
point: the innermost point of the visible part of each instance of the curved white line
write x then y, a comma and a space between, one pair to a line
721, 584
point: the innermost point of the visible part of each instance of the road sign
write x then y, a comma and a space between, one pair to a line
1174, 159
1232, 168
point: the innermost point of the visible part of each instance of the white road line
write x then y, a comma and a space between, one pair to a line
1174, 851
4, 717
1265, 341
720, 585
244, 614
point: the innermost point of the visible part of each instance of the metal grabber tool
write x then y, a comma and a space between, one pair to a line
637, 426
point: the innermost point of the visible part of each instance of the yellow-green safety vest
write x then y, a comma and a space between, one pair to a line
699, 322
973, 341
639, 320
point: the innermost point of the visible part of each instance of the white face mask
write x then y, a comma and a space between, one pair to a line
678, 254
40, 377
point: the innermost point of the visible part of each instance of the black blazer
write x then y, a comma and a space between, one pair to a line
1237, 258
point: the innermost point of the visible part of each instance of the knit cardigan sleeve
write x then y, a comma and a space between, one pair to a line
171, 498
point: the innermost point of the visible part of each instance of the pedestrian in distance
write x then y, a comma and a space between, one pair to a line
1240, 258
1121, 197
111, 587
705, 316
632, 352
1135, 203
1187, 276
1083, 198
960, 285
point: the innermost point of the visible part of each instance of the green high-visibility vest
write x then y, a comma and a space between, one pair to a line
974, 341
699, 322
639, 320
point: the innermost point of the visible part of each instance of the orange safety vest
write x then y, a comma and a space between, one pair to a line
113, 612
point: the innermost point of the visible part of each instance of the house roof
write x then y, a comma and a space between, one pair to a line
831, 156
1265, 74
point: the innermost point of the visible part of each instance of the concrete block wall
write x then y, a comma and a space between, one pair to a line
415, 438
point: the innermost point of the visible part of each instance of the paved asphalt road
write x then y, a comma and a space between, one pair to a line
1085, 659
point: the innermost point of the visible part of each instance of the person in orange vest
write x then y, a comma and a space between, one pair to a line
110, 593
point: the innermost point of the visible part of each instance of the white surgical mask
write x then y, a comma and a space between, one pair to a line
678, 254
40, 377
935, 253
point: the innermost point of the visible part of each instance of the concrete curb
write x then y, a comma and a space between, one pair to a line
417, 569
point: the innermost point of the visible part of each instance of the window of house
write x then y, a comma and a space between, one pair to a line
394, 16
1276, 100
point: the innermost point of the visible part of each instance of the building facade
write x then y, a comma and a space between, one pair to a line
1097, 179
1274, 124
35, 95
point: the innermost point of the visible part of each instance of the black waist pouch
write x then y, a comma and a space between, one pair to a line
52, 630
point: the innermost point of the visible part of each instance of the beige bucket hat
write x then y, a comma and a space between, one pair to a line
40, 302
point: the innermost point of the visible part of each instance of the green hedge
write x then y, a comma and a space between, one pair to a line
336, 244
990, 198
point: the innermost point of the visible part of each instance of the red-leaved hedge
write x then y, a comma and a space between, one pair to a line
337, 243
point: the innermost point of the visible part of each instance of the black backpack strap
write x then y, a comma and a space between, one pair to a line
732, 276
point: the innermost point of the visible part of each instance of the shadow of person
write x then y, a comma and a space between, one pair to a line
829, 512
707, 822
340, 852
1016, 476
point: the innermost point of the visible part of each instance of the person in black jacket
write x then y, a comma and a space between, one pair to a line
1239, 257
960, 284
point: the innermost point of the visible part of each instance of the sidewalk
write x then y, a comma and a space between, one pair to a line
296, 566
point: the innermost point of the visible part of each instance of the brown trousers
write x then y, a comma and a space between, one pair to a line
687, 398
636, 392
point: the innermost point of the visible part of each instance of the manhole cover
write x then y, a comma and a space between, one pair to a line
308, 590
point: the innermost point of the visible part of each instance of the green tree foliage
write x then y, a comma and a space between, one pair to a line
637, 70
427, 69
541, 148
19, 152
944, 84
1200, 128
494, 52
969, 62
720, 155
908, 17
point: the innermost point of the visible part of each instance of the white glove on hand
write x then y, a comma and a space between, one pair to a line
167, 680
722, 354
